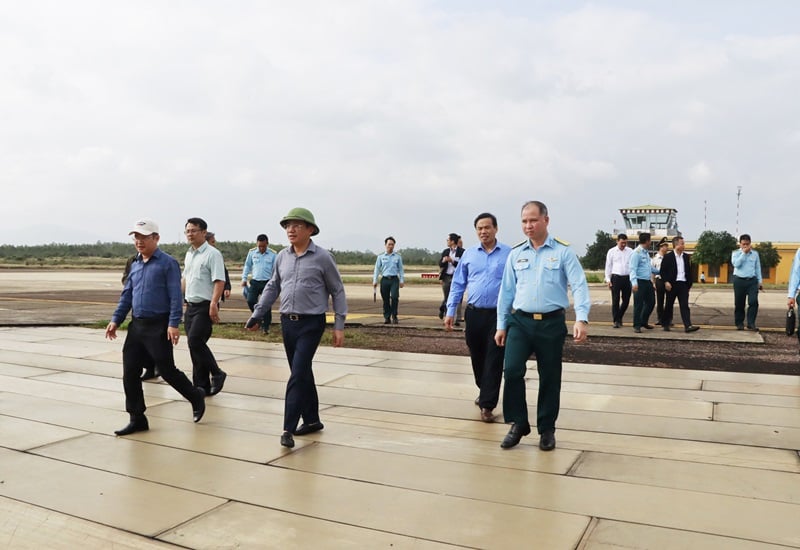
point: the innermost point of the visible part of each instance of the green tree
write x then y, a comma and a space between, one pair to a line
714, 248
595, 257
769, 256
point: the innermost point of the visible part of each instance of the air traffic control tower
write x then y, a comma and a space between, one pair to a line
659, 221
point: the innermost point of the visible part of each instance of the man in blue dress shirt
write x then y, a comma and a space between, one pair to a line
389, 266
153, 292
259, 263
747, 281
644, 299
479, 274
531, 320
794, 281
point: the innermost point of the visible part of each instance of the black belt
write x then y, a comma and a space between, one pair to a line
205, 303
745, 278
540, 316
390, 277
615, 275
151, 320
299, 316
470, 306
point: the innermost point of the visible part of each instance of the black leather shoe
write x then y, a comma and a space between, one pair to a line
692, 328
217, 381
666, 327
754, 329
199, 405
138, 424
394, 320
547, 441
648, 327
617, 324
637, 330
514, 435
287, 440
387, 322
306, 429
149, 374
478, 401
739, 327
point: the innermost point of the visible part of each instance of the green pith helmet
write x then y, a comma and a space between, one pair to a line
302, 214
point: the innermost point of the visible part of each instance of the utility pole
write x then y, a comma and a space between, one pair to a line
738, 195
705, 215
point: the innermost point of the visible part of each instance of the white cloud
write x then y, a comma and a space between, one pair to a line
399, 117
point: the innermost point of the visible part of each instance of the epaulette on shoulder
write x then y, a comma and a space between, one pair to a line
561, 241
519, 244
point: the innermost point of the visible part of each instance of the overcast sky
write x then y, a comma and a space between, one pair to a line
403, 118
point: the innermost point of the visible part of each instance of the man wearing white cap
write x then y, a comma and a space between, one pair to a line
153, 293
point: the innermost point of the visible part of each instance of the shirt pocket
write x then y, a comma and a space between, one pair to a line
552, 270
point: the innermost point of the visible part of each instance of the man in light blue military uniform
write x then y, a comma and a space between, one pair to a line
747, 281
644, 299
531, 320
389, 266
794, 281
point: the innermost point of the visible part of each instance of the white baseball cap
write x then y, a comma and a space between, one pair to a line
144, 226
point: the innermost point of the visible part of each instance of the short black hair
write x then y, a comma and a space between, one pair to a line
199, 222
644, 237
454, 237
745, 237
622, 237
262, 237
485, 215
389, 238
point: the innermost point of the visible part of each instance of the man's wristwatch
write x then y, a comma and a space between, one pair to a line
584, 322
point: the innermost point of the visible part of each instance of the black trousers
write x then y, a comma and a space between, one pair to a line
620, 296
301, 337
390, 294
198, 325
661, 294
680, 290
147, 341
253, 294
745, 289
486, 356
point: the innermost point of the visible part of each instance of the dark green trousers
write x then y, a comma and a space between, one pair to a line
390, 294
544, 339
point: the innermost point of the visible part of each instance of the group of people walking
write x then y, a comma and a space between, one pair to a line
516, 302
155, 292
658, 281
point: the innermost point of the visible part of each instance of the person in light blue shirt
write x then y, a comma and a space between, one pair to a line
479, 274
794, 279
258, 268
747, 281
203, 286
389, 267
642, 270
531, 320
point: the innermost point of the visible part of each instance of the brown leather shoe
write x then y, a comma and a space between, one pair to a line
487, 415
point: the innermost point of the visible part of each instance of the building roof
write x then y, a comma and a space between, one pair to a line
647, 209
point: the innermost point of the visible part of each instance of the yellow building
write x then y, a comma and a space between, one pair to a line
778, 274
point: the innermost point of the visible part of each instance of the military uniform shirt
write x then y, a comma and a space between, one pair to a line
389, 265
641, 267
536, 281
259, 264
794, 278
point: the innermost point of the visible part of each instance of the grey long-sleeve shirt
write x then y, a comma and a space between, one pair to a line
304, 283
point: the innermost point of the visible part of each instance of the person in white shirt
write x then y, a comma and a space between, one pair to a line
617, 278
661, 292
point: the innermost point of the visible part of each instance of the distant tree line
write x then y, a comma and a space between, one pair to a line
234, 252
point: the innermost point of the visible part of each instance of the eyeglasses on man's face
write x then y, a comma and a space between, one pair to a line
192, 231
294, 225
